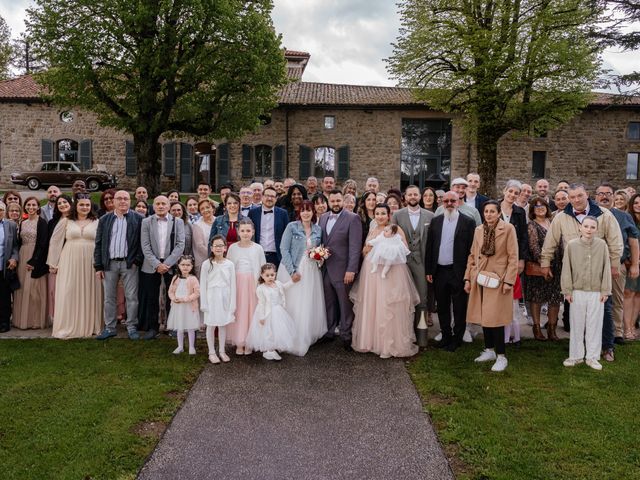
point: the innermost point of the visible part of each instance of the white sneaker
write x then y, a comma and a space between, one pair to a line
500, 365
467, 338
438, 337
268, 356
595, 364
192, 351
178, 351
224, 357
213, 358
486, 356
572, 362
275, 355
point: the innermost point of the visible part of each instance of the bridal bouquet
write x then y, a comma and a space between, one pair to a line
319, 254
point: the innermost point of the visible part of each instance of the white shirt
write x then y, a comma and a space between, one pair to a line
580, 218
414, 217
471, 201
333, 218
445, 254
267, 230
163, 228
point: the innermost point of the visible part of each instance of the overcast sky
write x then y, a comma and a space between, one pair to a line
347, 39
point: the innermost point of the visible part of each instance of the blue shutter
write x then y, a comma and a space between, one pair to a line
278, 162
305, 162
342, 172
222, 153
169, 159
130, 161
246, 161
86, 155
47, 150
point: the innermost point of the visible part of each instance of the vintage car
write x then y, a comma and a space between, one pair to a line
63, 174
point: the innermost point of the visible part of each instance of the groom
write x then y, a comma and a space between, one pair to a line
342, 235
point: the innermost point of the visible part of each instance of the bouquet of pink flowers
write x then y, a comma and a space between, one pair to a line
319, 254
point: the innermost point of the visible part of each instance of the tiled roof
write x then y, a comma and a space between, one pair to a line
310, 93
296, 53
20, 88
607, 99
295, 73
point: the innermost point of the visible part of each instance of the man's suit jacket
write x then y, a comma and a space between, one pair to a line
174, 245
11, 247
480, 199
462, 241
280, 221
344, 243
103, 240
416, 239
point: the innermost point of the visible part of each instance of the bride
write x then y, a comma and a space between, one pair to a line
305, 298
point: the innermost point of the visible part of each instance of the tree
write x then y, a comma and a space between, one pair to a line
202, 68
625, 13
23, 59
5, 49
501, 65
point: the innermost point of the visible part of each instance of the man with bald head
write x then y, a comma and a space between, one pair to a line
448, 247
162, 243
117, 255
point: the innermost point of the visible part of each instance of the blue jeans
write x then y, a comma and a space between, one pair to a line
608, 328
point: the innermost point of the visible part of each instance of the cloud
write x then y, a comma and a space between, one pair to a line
14, 13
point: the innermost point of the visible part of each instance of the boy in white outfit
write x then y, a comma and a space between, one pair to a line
586, 284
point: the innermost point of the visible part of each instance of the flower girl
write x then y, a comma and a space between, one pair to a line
218, 299
272, 328
388, 249
247, 257
184, 315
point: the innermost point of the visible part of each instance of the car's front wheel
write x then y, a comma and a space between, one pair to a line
93, 185
33, 184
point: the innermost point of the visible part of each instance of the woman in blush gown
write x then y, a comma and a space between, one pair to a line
79, 305
305, 297
384, 307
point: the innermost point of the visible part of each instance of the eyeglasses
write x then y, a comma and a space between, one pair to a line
604, 194
449, 201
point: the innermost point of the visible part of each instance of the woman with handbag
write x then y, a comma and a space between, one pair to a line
538, 290
491, 272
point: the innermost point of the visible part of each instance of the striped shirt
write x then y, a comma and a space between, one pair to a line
118, 247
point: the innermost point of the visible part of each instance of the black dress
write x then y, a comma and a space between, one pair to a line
537, 289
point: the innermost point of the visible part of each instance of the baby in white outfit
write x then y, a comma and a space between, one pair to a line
388, 249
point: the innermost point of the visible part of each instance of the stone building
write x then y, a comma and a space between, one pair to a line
322, 129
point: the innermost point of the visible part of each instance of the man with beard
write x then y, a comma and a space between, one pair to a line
53, 193
448, 246
414, 222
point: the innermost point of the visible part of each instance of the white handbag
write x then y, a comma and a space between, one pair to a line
488, 279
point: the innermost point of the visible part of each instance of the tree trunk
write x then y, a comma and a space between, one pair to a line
487, 154
147, 150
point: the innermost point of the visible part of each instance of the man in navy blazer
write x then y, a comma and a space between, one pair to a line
472, 197
270, 222
8, 262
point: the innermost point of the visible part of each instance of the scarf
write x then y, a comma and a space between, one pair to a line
488, 240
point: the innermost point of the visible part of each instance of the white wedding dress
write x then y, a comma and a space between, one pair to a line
305, 303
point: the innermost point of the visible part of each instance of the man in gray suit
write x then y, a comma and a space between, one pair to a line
8, 264
414, 222
162, 243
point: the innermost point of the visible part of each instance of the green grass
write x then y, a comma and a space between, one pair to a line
82, 409
538, 419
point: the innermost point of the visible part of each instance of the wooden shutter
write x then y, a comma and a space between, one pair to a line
247, 171
169, 159
342, 170
47, 150
130, 161
224, 170
186, 158
86, 155
306, 156
278, 162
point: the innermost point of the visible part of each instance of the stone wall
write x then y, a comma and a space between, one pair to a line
591, 148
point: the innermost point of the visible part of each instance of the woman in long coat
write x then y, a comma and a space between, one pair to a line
495, 250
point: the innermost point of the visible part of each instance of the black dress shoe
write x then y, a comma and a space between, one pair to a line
325, 339
618, 341
443, 344
347, 347
4, 329
452, 347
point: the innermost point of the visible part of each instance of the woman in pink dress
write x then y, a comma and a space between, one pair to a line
384, 307
247, 257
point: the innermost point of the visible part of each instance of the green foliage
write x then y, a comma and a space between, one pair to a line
502, 65
78, 408
621, 33
6, 49
201, 68
538, 420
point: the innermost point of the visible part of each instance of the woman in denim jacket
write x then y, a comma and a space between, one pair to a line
227, 224
305, 298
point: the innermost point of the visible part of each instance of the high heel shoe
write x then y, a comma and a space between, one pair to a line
537, 333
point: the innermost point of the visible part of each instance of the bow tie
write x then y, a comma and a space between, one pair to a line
581, 212
267, 211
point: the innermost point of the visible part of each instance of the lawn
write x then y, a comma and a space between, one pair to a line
83, 409
538, 419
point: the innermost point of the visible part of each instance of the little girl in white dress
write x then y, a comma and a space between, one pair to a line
272, 328
184, 292
388, 249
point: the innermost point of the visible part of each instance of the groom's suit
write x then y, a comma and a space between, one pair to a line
345, 243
